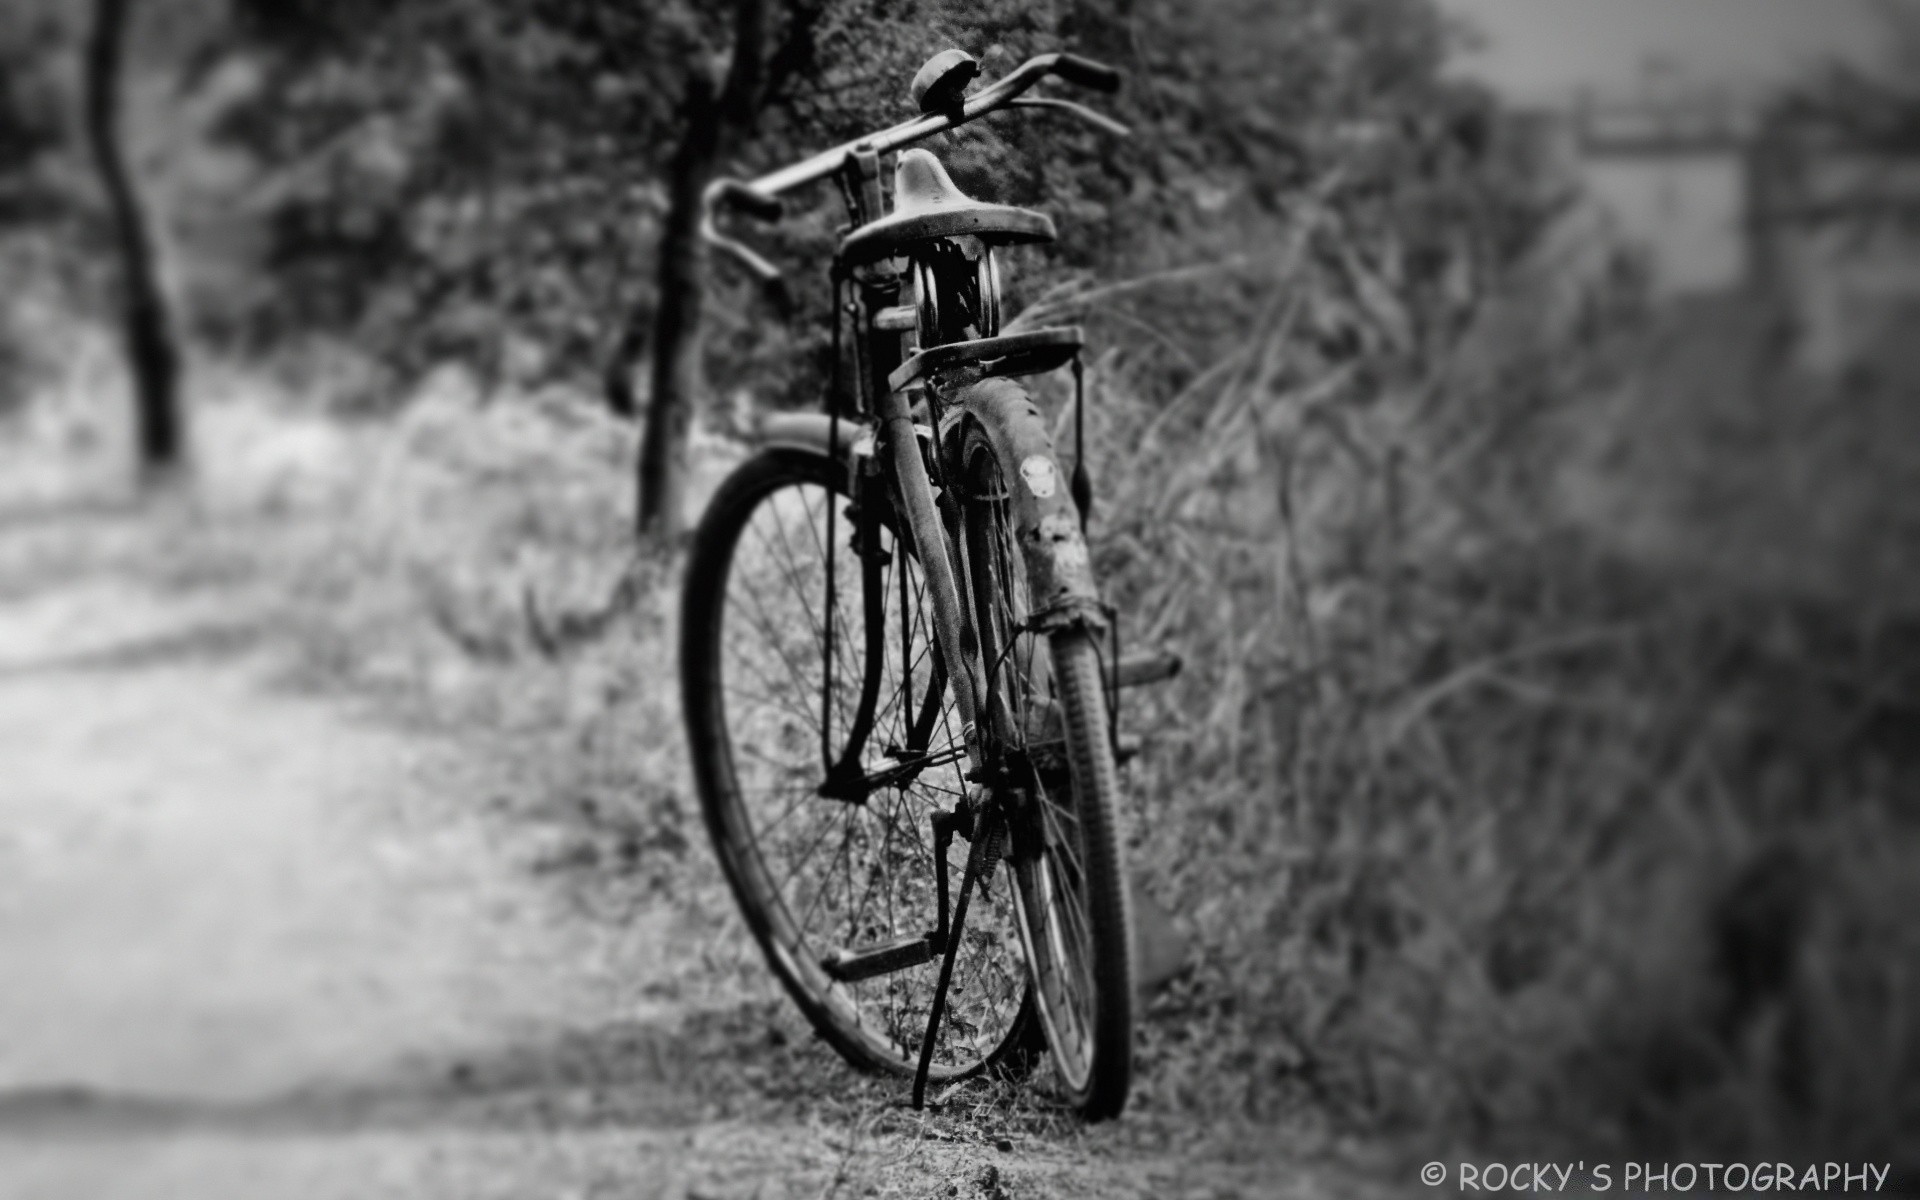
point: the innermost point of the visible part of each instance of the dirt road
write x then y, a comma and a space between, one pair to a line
253, 943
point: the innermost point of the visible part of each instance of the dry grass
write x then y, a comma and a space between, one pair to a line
1502, 820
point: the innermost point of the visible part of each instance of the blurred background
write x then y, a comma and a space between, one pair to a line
1510, 410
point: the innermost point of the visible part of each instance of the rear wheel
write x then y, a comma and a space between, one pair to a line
825, 882
1048, 707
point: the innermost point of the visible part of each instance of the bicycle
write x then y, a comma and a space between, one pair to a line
892, 646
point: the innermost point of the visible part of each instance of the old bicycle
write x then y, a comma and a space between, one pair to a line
898, 673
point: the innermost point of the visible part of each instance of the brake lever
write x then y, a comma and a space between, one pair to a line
1099, 121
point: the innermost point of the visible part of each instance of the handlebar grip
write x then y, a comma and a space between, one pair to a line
757, 205
1086, 73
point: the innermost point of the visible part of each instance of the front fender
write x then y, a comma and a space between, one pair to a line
812, 432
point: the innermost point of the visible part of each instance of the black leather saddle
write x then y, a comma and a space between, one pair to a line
926, 205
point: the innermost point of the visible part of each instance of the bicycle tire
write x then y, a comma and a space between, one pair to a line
752, 700
1074, 912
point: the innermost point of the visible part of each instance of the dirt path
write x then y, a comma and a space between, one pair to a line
242, 917
260, 942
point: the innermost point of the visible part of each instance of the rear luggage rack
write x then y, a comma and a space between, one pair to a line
957, 364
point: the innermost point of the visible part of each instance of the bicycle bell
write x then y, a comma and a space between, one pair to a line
941, 85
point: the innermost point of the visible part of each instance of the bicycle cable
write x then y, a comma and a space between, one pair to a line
1081, 484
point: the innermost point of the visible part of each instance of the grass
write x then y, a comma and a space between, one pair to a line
1499, 821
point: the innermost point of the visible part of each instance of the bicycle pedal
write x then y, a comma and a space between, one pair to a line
1052, 756
852, 966
1146, 666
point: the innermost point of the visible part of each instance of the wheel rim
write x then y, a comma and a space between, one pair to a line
832, 875
1050, 917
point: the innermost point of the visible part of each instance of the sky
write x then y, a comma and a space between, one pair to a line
1545, 51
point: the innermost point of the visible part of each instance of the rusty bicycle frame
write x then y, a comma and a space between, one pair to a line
890, 447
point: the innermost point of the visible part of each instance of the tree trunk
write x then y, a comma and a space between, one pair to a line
710, 123
676, 320
617, 384
152, 355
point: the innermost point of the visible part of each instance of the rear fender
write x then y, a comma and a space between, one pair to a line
1045, 519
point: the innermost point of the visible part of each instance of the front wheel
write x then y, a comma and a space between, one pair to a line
806, 644
1048, 704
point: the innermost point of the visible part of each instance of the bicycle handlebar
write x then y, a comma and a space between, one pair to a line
759, 197
1086, 73
756, 204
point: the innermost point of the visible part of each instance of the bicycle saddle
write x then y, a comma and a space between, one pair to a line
927, 205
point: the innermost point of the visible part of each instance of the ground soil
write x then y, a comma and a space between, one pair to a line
265, 937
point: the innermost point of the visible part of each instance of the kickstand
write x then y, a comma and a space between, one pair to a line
981, 855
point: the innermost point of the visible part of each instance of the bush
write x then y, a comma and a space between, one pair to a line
1511, 792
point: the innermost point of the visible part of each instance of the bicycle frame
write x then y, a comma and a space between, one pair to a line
899, 427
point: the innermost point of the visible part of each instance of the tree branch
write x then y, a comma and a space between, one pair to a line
710, 124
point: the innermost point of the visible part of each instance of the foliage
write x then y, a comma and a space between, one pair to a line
453, 179
1536, 774
30, 121
31, 130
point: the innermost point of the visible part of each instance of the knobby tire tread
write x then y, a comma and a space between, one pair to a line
1080, 691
